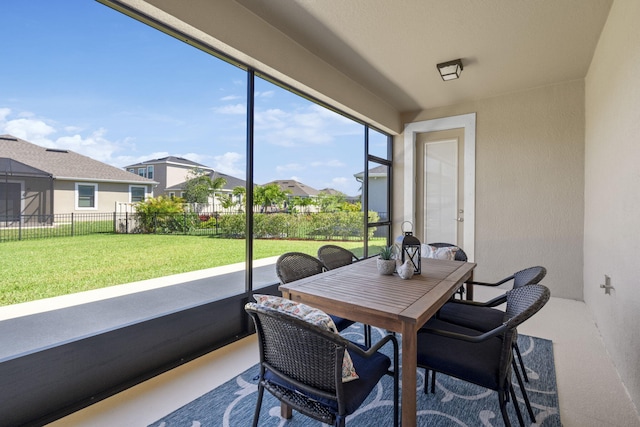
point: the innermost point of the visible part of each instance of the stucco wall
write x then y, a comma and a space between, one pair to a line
108, 194
612, 189
529, 183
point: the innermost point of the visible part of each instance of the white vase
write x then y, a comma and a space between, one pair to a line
386, 266
405, 271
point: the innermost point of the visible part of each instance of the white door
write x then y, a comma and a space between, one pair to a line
440, 186
414, 174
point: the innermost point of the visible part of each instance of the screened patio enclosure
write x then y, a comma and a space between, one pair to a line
26, 194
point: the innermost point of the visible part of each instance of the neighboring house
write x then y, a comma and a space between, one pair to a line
334, 192
378, 178
173, 172
297, 189
168, 171
36, 182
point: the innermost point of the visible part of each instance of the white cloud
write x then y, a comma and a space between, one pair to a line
312, 125
289, 167
230, 163
32, 130
229, 98
4, 112
266, 94
231, 109
39, 131
334, 163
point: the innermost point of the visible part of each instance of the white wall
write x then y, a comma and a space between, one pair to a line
612, 189
529, 183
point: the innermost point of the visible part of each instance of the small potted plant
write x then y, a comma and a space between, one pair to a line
385, 263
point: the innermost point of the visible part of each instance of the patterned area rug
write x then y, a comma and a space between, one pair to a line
455, 403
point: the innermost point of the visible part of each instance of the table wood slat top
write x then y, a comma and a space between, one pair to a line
357, 290
359, 293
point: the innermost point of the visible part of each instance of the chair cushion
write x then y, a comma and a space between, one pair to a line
313, 316
479, 318
478, 363
370, 371
341, 323
448, 253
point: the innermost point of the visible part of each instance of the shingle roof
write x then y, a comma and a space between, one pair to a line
378, 171
64, 164
296, 188
231, 182
170, 159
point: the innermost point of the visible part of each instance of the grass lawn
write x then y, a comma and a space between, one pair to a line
43, 268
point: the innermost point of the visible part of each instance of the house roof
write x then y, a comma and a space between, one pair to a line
231, 182
64, 164
295, 188
332, 191
181, 161
377, 172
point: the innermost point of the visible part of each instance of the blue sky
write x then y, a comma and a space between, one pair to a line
81, 76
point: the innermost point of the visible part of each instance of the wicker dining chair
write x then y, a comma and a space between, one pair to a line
483, 316
301, 365
459, 256
333, 256
293, 266
482, 358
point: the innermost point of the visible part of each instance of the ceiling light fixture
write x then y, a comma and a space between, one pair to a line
450, 70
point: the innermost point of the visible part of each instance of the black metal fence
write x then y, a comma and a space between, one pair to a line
316, 226
77, 224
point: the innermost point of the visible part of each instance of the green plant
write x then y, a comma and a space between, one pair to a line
386, 252
158, 213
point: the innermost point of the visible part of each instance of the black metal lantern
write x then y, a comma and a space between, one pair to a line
409, 247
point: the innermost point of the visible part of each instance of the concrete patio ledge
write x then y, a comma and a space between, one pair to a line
39, 324
55, 303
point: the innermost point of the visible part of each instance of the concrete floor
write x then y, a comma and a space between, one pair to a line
590, 391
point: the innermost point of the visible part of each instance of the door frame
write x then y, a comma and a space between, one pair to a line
468, 123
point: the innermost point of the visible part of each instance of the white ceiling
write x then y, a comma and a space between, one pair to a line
392, 46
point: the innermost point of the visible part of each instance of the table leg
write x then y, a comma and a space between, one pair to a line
469, 287
409, 382
286, 411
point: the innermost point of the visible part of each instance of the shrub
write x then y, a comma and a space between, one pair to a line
163, 214
325, 226
233, 225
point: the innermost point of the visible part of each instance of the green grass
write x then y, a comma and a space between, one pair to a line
35, 269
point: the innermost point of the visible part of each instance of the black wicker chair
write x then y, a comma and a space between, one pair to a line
297, 265
333, 256
460, 256
482, 316
482, 358
301, 365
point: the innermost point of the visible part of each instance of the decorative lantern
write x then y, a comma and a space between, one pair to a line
409, 247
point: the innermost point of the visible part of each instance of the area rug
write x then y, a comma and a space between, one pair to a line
455, 403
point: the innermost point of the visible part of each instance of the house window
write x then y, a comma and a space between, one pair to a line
150, 172
137, 194
142, 172
132, 170
172, 194
86, 196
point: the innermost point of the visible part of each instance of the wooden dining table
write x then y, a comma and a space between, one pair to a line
359, 293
